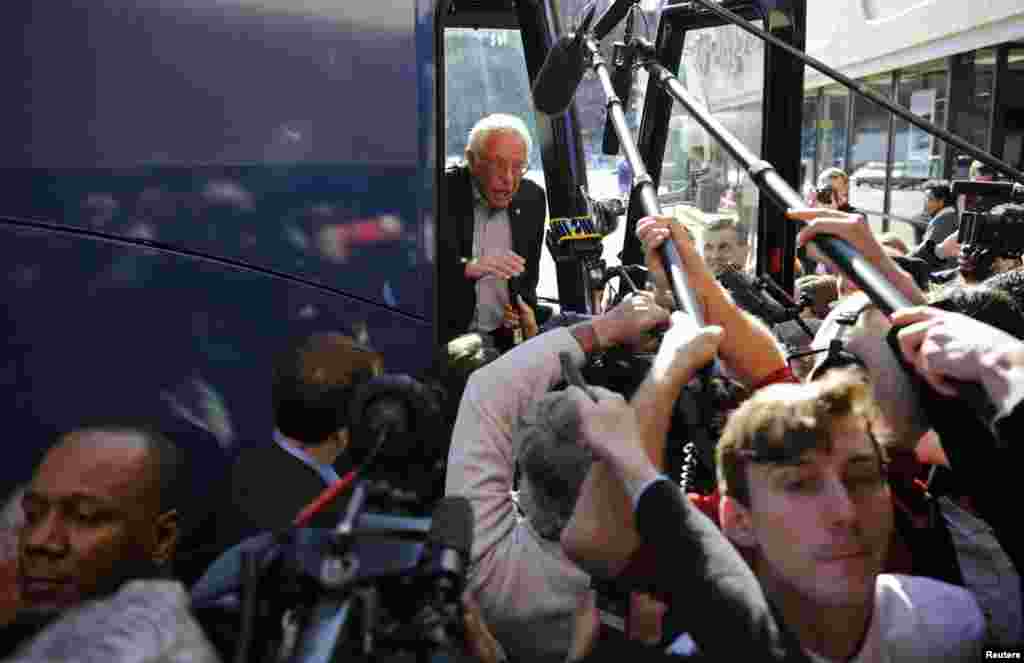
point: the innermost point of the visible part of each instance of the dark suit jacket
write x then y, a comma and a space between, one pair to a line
726, 612
456, 293
941, 226
265, 489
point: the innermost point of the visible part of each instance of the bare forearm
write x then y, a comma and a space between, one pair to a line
748, 347
602, 535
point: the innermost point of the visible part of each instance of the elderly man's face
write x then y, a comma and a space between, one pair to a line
723, 247
91, 520
821, 526
499, 167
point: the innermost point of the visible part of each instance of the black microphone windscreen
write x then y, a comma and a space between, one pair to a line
451, 524
556, 83
750, 297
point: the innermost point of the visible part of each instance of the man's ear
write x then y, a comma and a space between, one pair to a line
736, 522
165, 533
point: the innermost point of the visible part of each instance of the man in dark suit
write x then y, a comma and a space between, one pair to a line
491, 227
270, 483
942, 222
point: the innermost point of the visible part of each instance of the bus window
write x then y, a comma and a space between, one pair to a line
724, 68
485, 73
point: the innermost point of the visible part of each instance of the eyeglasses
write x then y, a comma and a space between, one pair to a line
515, 168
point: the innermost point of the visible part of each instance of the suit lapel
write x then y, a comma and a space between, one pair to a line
464, 221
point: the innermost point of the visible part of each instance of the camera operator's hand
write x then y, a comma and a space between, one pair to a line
943, 345
610, 430
503, 266
854, 229
631, 322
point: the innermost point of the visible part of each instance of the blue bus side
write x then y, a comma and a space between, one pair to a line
185, 186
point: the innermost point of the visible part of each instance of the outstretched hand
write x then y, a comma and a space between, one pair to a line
942, 345
854, 229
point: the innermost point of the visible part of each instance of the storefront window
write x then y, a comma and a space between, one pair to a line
724, 68
918, 154
975, 97
832, 128
870, 151
1013, 145
809, 142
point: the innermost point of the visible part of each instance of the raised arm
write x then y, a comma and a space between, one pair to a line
601, 536
749, 349
854, 229
481, 459
693, 562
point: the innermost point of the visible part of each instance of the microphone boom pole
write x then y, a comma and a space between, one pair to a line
644, 185
904, 114
871, 281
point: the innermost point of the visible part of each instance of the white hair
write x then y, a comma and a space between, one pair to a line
498, 122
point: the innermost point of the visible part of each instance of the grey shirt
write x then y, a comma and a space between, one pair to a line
492, 235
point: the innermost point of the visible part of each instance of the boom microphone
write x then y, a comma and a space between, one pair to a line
562, 71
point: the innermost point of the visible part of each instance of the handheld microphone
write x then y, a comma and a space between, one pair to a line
514, 292
562, 71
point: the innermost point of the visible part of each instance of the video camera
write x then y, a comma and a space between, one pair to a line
991, 227
1001, 228
376, 585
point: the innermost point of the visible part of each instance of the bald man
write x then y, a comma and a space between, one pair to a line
99, 512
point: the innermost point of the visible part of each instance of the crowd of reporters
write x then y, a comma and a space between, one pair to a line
838, 496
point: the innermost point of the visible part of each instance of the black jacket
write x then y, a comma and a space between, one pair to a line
263, 491
456, 293
726, 610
